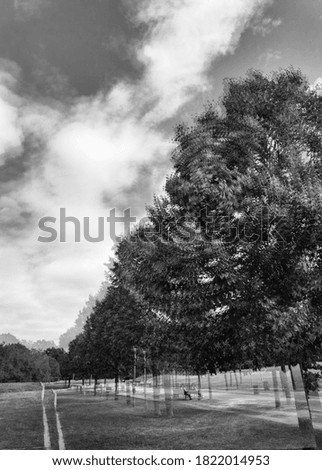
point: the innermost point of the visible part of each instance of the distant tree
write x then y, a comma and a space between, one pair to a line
112, 330
61, 357
80, 321
8, 338
78, 357
19, 364
39, 345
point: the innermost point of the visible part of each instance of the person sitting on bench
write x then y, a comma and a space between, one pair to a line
186, 394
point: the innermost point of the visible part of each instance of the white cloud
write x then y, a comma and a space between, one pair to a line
317, 85
265, 26
28, 8
11, 135
269, 56
183, 40
87, 153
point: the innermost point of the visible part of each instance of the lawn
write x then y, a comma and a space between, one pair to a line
99, 423
231, 420
21, 416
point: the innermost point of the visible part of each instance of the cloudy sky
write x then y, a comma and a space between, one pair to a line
90, 91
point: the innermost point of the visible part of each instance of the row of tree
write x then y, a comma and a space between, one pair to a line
20, 364
225, 271
81, 318
40, 345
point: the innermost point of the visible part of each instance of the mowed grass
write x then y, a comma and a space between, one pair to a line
21, 416
99, 423
15, 387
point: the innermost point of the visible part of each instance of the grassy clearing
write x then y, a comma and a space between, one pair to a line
98, 423
231, 420
21, 416
60, 384
19, 387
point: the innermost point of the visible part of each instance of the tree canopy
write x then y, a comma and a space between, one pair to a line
226, 268
19, 364
233, 250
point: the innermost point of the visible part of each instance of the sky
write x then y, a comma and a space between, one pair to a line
90, 93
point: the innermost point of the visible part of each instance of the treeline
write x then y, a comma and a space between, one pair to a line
226, 269
83, 314
20, 364
40, 345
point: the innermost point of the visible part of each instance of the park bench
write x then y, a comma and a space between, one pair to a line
188, 392
90, 389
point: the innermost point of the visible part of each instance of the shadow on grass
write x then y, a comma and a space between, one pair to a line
99, 423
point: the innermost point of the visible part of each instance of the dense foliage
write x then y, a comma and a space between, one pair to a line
19, 364
226, 270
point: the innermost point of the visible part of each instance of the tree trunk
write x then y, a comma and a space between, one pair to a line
95, 386
285, 385
128, 392
302, 408
209, 386
156, 395
199, 386
236, 380
175, 379
116, 386
168, 395
226, 382
275, 387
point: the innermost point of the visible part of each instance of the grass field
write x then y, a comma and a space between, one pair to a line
232, 420
97, 423
20, 416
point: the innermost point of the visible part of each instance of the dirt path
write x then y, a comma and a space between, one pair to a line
47, 443
61, 442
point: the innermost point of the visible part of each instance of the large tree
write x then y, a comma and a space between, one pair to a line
232, 252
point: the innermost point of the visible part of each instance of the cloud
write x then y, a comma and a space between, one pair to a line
11, 136
90, 154
182, 41
265, 26
318, 83
26, 9
269, 56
